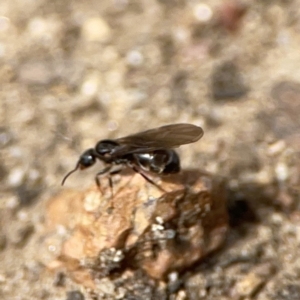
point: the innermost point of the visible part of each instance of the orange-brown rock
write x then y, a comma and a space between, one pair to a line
142, 226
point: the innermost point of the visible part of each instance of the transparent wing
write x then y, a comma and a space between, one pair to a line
165, 137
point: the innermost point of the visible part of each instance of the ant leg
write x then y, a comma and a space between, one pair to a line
111, 185
135, 169
110, 180
102, 172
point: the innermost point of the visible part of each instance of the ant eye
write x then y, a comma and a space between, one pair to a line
87, 159
105, 147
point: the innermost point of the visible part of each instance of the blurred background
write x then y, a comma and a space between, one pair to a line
75, 72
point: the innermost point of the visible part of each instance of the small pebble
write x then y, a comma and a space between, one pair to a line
181, 295
203, 13
120, 294
22, 216
248, 285
173, 276
90, 86
34, 175
16, 177
75, 295
282, 172
106, 286
37, 26
277, 147
134, 58
96, 30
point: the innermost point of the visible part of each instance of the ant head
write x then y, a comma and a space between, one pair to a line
86, 159
105, 147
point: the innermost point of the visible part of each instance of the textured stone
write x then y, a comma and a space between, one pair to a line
141, 226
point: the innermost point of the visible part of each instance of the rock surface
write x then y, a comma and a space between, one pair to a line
142, 227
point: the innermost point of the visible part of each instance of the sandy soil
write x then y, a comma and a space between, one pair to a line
75, 72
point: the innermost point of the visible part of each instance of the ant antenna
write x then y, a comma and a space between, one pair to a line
76, 168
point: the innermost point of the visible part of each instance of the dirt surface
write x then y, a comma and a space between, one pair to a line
75, 72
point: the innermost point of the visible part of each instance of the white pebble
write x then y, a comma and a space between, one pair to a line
134, 58
16, 177
90, 86
22, 216
52, 248
96, 30
37, 26
277, 147
181, 35
282, 172
203, 12
159, 220
173, 276
61, 230
277, 219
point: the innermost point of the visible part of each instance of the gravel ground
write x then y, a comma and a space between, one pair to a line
75, 72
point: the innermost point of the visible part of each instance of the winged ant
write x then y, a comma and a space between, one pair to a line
148, 151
